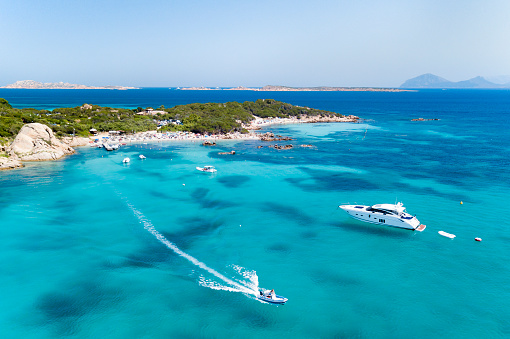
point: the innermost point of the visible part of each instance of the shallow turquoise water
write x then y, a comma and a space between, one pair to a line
79, 259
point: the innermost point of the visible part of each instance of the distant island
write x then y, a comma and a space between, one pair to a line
271, 88
31, 84
433, 81
329, 89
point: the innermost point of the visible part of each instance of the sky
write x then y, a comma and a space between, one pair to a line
166, 43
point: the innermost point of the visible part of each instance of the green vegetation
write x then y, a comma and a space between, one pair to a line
198, 118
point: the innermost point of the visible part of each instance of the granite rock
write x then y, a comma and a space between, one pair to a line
36, 142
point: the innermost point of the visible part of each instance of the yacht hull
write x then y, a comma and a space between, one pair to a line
365, 214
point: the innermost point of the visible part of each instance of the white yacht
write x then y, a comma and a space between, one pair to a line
393, 215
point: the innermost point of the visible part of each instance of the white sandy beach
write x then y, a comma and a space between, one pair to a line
255, 124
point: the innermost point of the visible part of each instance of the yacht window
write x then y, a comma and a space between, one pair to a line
378, 211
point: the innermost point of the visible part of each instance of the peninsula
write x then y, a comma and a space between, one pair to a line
31, 84
31, 135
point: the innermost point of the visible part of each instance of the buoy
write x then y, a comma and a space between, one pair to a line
478, 239
461, 202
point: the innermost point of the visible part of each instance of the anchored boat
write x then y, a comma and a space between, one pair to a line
393, 215
209, 169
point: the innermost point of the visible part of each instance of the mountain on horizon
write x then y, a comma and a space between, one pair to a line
433, 81
499, 79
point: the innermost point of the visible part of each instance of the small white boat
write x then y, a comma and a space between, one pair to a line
272, 298
126, 160
394, 215
141, 156
209, 169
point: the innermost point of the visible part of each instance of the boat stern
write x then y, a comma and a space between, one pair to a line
420, 228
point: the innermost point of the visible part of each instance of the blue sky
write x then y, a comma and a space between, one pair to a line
252, 43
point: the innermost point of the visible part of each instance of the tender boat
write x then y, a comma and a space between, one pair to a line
209, 169
393, 215
126, 160
111, 147
449, 235
273, 299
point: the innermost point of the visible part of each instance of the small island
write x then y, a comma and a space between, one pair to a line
31, 84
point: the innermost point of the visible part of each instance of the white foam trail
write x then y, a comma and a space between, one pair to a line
250, 281
215, 285
149, 227
251, 276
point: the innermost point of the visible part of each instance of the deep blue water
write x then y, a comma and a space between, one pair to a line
80, 256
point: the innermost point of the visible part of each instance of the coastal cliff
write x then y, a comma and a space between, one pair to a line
36, 142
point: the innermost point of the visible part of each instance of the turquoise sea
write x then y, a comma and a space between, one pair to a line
92, 248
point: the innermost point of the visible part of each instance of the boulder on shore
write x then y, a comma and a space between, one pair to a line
36, 142
9, 163
76, 141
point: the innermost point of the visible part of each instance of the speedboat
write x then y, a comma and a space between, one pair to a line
209, 169
126, 160
141, 156
393, 215
273, 299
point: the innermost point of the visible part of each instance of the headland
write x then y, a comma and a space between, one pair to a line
50, 135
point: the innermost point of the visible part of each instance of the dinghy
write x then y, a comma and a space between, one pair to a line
448, 235
209, 169
267, 297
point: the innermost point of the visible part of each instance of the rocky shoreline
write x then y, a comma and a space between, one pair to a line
257, 123
36, 142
